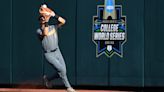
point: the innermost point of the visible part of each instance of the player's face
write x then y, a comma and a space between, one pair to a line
43, 13
42, 20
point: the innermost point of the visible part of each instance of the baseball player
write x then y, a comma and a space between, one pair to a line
49, 39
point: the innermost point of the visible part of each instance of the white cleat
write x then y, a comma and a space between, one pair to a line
71, 90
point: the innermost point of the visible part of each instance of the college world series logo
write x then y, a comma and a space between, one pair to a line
109, 29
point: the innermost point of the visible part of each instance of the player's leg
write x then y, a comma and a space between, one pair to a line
54, 59
55, 75
47, 79
51, 60
64, 75
62, 72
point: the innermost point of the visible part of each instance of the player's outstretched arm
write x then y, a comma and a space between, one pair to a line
61, 20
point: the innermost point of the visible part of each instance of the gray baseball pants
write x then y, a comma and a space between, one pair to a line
56, 59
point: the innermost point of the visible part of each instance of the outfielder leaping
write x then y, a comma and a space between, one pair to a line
49, 38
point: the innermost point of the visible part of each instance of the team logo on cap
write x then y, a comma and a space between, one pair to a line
109, 29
